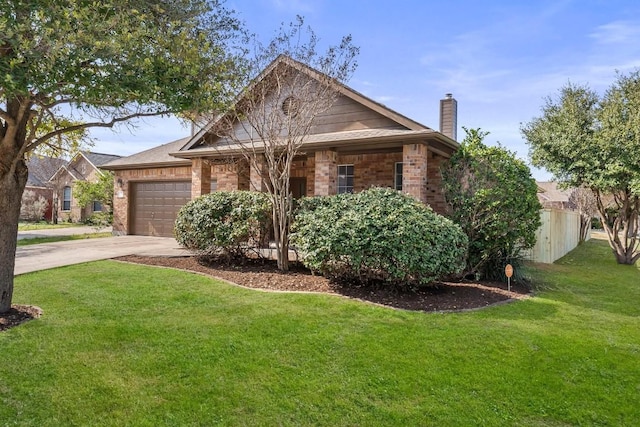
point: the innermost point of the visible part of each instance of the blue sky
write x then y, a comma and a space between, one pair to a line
500, 59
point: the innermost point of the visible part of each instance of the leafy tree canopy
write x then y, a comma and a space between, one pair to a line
66, 66
69, 65
493, 197
101, 190
592, 141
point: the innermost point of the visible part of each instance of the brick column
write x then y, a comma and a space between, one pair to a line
200, 177
414, 171
435, 196
326, 173
257, 171
120, 204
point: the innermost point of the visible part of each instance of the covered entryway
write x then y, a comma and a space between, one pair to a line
155, 205
298, 187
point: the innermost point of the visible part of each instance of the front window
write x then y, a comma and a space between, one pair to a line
345, 179
398, 177
66, 198
214, 186
97, 206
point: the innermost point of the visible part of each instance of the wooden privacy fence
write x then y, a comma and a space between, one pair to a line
558, 235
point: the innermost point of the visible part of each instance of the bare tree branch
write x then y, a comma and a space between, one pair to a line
80, 126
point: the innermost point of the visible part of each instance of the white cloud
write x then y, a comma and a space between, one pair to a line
617, 32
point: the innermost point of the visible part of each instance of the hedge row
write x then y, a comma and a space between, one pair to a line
233, 224
378, 235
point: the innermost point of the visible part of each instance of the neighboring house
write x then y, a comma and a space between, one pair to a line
550, 196
356, 144
84, 166
41, 169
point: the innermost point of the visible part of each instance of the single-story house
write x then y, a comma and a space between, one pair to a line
84, 166
550, 196
41, 169
356, 144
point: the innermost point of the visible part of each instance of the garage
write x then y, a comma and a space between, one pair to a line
155, 205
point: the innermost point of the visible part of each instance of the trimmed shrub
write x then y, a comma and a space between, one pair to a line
100, 219
232, 224
493, 197
377, 235
33, 207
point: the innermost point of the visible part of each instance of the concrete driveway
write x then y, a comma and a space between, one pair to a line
50, 255
67, 231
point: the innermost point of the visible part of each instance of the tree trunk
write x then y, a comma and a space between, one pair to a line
585, 225
12, 183
281, 231
624, 247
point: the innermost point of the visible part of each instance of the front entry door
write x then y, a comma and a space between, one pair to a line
298, 187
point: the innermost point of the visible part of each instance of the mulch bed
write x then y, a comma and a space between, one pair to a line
17, 315
264, 275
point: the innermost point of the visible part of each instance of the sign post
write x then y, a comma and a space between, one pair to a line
508, 271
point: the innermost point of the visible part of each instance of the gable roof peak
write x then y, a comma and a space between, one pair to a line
340, 88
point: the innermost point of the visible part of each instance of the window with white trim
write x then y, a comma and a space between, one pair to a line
96, 206
397, 176
345, 179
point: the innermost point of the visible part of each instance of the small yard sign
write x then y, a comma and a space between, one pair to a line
508, 271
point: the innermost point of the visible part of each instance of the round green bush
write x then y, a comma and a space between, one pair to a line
377, 235
228, 223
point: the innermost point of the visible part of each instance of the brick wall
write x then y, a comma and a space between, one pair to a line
371, 170
76, 213
258, 173
435, 197
121, 192
304, 167
414, 170
231, 176
326, 173
200, 177
421, 173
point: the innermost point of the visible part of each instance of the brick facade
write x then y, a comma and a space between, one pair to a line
304, 167
122, 189
257, 174
231, 176
76, 213
435, 196
421, 176
326, 173
371, 170
354, 130
414, 170
79, 169
200, 177
227, 176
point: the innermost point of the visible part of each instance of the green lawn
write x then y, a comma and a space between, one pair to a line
26, 226
52, 239
131, 345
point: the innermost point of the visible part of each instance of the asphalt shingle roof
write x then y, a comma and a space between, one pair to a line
41, 169
550, 192
153, 156
99, 159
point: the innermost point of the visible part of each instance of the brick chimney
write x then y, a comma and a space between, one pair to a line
449, 116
